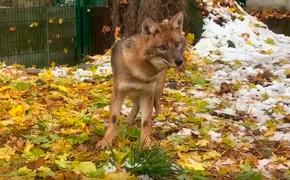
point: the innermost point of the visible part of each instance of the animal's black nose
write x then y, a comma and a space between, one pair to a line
179, 62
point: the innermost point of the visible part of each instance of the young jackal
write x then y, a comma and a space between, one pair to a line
139, 63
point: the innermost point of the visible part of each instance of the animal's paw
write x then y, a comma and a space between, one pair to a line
103, 144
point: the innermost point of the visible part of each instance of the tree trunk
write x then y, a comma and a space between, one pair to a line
131, 15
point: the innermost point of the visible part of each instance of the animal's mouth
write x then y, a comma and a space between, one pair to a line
168, 64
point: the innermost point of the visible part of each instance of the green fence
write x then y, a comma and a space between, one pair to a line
84, 23
41, 35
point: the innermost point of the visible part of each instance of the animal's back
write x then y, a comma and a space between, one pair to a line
126, 45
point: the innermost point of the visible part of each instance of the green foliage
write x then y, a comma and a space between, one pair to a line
154, 162
78, 139
33, 154
127, 132
195, 120
84, 167
195, 175
197, 78
249, 175
24, 172
45, 172
21, 86
44, 141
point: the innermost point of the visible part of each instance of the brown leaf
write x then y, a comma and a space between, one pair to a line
226, 88
106, 29
117, 31
261, 78
287, 118
35, 164
264, 14
59, 176
67, 175
12, 29
20, 143
220, 21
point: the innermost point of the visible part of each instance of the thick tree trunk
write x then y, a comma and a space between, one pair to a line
114, 11
130, 16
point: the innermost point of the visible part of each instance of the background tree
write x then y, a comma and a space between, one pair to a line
129, 14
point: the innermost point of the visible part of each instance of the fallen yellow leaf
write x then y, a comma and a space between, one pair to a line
187, 161
4, 88
27, 148
190, 38
211, 155
202, 142
6, 152
17, 110
117, 176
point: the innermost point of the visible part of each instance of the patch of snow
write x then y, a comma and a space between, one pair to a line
263, 128
197, 94
228, 111
144, 177
279, 136
104, 69
215, 136
184, 132
59, 72
109, 168
255, 48
168, 125
81, 74
208, 117
125, 110
263, 162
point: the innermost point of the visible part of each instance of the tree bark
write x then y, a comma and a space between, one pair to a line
130, 17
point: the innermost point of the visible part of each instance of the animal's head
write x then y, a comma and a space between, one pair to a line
165, 41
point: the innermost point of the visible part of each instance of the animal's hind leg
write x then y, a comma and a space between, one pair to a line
132, 115
157, 105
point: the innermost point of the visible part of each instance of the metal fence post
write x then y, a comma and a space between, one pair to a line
86, 27
78, 30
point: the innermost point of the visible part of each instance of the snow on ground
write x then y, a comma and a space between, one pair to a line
247, 64
241, 46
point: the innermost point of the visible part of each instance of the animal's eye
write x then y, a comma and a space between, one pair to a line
162, 47
177, 44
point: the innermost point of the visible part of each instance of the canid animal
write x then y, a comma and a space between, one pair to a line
139, 66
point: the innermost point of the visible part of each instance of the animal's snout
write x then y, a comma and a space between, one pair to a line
179, 62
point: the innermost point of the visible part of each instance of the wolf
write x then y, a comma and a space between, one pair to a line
139, 64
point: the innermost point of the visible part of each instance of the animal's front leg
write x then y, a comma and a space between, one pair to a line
161, 79
146, 103
111, 132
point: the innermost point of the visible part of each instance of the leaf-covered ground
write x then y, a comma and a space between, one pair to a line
212, 123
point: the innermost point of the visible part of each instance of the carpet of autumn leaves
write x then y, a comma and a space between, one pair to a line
49, 127
47, 120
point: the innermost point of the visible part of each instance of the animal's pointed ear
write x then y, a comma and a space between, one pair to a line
177, 21
149, 26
